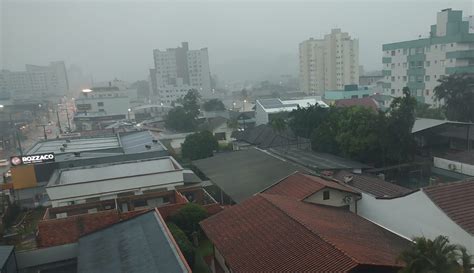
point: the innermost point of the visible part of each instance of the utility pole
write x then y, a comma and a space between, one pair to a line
19, 141
44, 130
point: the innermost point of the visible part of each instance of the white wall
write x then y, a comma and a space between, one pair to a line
336, 198
220, 260
79, 191
413, 215
459, 167
261, 116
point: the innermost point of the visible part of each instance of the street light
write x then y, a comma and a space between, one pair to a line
87, 90
129, 110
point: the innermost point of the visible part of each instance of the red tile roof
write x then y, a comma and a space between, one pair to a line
277, 233
365, 102
300, 186
455, 199
371, 184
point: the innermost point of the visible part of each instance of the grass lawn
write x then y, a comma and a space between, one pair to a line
204, 249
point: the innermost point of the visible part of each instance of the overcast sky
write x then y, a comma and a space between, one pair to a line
246, 39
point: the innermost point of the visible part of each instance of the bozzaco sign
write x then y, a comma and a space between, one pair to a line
31, 159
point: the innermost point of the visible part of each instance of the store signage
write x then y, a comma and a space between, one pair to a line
31, 159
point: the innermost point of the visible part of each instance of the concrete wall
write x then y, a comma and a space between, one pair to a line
453, 166
220, 259
413, 215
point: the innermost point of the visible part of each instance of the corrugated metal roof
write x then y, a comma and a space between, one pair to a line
5, 252
242, 174
138, 245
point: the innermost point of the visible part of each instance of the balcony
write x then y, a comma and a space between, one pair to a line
464, 54
460, 69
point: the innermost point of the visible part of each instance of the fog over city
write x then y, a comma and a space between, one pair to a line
246, 40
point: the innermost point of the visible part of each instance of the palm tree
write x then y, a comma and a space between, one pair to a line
435, 256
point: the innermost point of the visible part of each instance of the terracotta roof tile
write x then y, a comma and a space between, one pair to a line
372, 184
455, 199
300, 186
274, 233
365, 102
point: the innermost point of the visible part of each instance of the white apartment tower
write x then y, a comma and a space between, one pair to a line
37, 82
179, 69
329, 63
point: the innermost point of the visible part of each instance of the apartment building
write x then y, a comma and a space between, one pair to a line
420, 64
329, 63
177, 70
36, 82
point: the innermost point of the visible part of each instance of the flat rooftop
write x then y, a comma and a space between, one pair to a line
111, 171
75, 145
91, 147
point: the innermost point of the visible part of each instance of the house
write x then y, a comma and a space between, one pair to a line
139, 243
241, 174
446, 209
434, 135
266, 108
366, 102
218, 126
299, 225
108, 181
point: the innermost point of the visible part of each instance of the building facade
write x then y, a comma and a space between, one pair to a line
36, 82
177, 70
329, 63
419, 64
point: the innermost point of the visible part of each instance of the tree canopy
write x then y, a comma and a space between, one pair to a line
199, 145
360, 133
436, 256
214, 105
457, 92
188, 218
183, 242
183, 118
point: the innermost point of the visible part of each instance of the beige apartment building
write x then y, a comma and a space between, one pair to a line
329, 63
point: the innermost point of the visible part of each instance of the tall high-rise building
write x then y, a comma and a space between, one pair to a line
419, 64
329, 63
179, 69
37, 82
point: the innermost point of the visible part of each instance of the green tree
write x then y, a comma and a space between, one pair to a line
183, 242
435, 256
191, 103
400, 143
457, 92
188, 218
180, 120
424, 110
214, 105
303, 121
199, 145
233, 124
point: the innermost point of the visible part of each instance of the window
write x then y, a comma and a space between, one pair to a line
443, 47
101, 110
427, 92
419, 78
404, 78
412, 64
419, 64
405, 51
427, 49
427, 64
393, 52
427, 78
326, 195
393, 91
100, 103
393, 78
393, 66
452, 45
404, 65
441, 62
